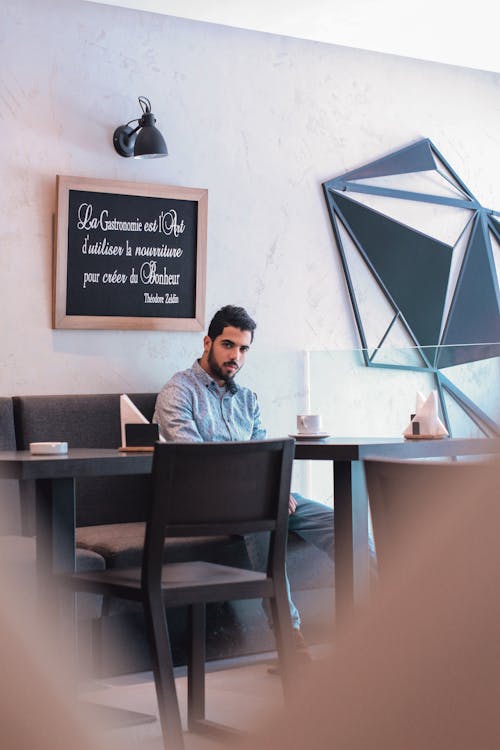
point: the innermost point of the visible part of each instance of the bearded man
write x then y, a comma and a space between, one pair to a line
204, 404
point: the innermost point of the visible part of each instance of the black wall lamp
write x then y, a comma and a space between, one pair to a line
144, 141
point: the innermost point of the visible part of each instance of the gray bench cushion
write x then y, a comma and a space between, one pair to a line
20, 552
120, 544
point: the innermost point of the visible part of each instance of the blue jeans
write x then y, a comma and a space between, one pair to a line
313, 522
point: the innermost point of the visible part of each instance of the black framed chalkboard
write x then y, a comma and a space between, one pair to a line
129, 255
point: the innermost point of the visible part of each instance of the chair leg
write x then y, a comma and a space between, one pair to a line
196, 682
163, 670
196, 666
283, 632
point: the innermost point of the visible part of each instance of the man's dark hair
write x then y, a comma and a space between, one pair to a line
237, 317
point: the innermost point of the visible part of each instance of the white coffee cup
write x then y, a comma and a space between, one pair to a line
309, 423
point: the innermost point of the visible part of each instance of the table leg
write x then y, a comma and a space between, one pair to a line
55, 549
27, 503
55, 525
56, 553
351, 537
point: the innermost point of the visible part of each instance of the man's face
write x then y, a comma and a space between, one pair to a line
225, 356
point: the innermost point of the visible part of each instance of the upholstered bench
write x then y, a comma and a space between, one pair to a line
18, 544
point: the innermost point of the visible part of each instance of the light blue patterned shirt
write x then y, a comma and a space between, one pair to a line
191, 407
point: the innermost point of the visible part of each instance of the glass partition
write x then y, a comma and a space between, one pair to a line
373, 394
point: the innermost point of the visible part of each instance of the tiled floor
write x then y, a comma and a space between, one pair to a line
242, 696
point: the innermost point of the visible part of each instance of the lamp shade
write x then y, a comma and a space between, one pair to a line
149, 142
145, 140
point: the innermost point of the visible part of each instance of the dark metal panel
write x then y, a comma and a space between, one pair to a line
413, 267
474, 316
415, 158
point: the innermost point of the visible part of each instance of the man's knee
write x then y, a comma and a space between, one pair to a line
310, 513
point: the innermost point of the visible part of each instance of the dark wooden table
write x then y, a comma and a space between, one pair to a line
54, 478
54, 481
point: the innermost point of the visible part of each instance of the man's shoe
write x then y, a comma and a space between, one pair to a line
300, 643
302, 652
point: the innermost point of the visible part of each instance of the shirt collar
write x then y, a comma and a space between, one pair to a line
232, 387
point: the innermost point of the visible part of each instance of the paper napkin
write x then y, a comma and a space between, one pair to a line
426, 422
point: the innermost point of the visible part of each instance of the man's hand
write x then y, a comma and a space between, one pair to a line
292, 505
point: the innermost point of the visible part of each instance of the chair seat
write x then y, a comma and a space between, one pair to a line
187, 582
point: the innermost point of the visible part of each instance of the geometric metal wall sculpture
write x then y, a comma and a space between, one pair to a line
411, 232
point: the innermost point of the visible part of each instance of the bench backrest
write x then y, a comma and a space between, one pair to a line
7, 431
88, 421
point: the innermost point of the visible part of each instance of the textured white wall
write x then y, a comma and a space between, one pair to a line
260, 121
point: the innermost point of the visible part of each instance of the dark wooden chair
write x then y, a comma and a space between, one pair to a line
206, 489
406, 496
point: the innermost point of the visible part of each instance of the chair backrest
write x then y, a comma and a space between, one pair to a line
406, 496
204, 489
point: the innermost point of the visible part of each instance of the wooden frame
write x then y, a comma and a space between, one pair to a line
119, 277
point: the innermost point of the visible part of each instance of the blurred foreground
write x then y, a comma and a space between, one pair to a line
418, 669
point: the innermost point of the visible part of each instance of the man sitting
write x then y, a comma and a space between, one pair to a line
204, 403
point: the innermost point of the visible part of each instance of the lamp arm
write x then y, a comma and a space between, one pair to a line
133, 130
124, 138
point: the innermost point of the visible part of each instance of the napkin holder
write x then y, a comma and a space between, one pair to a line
142, 436
425, 423
415, 433
137, 433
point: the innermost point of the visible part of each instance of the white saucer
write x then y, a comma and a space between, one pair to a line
310, 435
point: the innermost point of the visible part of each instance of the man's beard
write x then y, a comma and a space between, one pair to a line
217, 371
